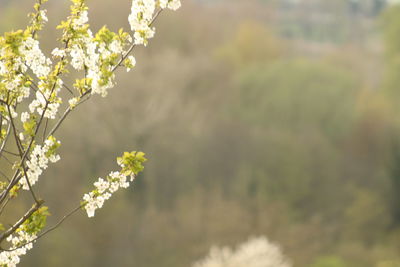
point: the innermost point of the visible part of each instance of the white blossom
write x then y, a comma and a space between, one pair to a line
24, 92
102, 185
25, 117
78, 57
13, 113
92, 203
57, 52
104, 189
43, 15
171, 4
35, 59
47, 99
3, 68
12, 258
14, 84
73, 102
38, 162
116, 47
174, 4
82, 19
131, 63
140, 18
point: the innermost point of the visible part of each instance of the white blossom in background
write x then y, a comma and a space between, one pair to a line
256, 252
393, 2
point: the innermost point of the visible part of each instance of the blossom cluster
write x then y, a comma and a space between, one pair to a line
34, 57
256, 252
23, 238
40, 158
21, 243
171, 4
141, 17
131, 164
104, 190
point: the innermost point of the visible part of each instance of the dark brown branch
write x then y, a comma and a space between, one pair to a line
65, 217
28, 214
10, 153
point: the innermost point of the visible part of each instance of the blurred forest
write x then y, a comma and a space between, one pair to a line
259, 117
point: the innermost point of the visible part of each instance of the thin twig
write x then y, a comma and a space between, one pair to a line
45, 130
5, 176
69, 90
8, 161
10, 153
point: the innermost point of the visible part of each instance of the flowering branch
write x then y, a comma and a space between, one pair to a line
30, 102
